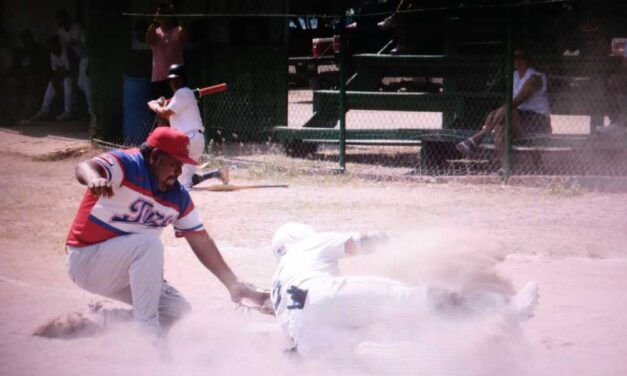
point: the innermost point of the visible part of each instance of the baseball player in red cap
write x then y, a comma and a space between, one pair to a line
113, 246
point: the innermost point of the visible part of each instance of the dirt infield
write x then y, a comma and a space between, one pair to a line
573, 242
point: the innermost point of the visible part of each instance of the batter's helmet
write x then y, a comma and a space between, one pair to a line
176, 70
288, 235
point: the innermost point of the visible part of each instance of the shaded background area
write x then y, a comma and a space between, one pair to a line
264, 52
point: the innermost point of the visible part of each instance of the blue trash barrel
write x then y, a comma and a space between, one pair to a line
137, 119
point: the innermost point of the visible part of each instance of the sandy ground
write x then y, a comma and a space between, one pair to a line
571, 243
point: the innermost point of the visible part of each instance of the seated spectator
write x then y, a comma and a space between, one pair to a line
530, 109
60, 77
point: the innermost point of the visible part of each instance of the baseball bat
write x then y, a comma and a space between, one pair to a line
198, 93
230, 187
202, 91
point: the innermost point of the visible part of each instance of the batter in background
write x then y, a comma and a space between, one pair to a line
182, 113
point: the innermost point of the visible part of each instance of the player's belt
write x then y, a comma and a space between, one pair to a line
192, 133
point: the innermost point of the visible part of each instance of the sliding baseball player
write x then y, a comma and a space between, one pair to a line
322, 311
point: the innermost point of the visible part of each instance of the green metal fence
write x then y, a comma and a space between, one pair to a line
339, 89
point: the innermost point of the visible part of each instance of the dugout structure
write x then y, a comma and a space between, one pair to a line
435, 94
457, 66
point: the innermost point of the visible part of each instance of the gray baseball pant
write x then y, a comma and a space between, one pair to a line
129, 268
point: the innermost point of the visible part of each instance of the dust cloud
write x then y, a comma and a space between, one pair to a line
229, 343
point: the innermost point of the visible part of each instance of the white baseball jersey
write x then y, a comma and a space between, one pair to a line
322, 311
136, 206
59, 61
539, 101
306, 261
73, 38
186, 117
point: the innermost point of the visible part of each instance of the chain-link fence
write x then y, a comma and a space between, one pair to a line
533, 88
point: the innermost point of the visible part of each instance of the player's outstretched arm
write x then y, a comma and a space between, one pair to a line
365, 243
207, 252
90, 174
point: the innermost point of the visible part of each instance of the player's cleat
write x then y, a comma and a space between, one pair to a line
40, 115
65, 116
73, 325
522, 305
223, 174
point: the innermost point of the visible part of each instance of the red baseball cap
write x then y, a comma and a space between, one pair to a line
173, 142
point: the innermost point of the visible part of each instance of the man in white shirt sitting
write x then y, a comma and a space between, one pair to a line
530, 109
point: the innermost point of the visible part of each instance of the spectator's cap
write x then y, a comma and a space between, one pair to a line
176, 70
173, 142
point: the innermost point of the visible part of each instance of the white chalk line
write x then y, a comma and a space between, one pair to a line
27, 285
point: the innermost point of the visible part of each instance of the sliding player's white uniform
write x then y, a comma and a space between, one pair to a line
321, 310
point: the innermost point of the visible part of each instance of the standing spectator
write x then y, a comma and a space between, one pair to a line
166, 39
33, 72
183, 114
60, 77
73, 39
530, 109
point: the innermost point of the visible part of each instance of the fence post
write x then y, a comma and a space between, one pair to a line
342, 99
508, 99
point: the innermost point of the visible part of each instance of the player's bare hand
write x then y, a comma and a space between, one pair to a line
100, 187
153, 104
250, 297
244, 291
